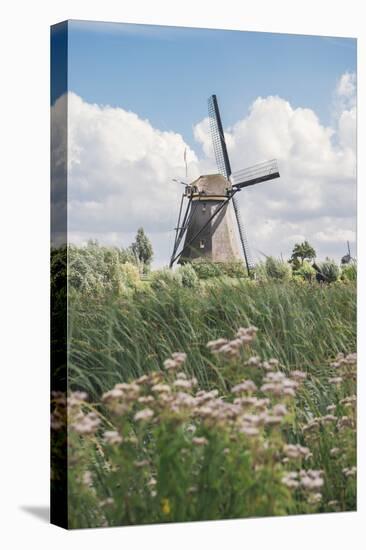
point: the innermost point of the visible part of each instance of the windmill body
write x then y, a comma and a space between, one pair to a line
216, 238
206, 227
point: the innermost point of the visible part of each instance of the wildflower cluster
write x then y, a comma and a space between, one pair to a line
332, 436
232, 348
166, 445
309, 481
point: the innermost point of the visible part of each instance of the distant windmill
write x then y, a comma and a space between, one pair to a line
207, 225
347, 258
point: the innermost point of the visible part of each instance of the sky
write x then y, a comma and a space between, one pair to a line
137, 98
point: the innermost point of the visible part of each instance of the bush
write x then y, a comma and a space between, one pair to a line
305, 271
349, 272
189, 276
165, 278
234, 269
130, 275
274, 269
206, 270
95, 270
328, 271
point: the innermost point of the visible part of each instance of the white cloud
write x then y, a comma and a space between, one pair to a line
336, 235
120, 171
346, 86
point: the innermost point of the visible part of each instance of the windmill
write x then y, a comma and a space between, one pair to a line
206, 228
347, 258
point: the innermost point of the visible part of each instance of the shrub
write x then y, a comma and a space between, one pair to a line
349, 272
328, 271
233, 269
189, 276
165, 278
130, 275
206, 270
277, 269
305, 271
95, 270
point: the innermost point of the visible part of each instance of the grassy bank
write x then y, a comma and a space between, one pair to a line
260, 423
114, 339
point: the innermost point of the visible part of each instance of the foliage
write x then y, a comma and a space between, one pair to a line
349, 272
165, 278
275, 269
130, 275
305, 271
142, 249
189, 276
329, 271
302, 251
207, 270
114, 340
96, 270
233, 269
161, 449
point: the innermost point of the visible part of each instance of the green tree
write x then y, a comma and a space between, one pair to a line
302, 251
142, 249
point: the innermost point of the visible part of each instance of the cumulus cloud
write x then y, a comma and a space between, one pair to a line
120, 169
346, 87
119, 175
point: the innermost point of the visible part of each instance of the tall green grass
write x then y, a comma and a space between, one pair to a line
114, 339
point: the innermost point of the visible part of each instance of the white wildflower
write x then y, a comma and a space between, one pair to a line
291, 480
199, 441
335, 451
280, 409
184, 384
112, 437
87, 478
336, 380
141, 463
249, 430
161, 388
112, 395
245, 386
298, 375
86, 424
314, 498
145, 399
144, 414
296, 451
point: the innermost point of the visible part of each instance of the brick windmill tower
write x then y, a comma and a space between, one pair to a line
207, 228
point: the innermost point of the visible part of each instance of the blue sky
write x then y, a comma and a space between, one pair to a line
165, 74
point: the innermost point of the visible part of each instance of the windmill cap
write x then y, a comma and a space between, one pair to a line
212, 184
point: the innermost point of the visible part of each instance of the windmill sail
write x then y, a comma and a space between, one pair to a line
218, 138
243, 236
255, 174
224, 168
